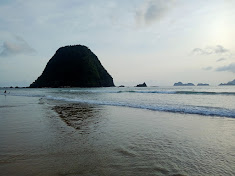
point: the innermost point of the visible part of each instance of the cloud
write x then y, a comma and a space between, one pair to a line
221, 59
229, 68
218, 49
15, 47
152, 11
207, 68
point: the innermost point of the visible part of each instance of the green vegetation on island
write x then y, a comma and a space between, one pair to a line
74, 66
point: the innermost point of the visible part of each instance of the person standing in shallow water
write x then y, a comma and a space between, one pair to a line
5, 91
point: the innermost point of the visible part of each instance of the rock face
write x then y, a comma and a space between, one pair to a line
74, 66
142, 85
202, 84
181, 84
230, 83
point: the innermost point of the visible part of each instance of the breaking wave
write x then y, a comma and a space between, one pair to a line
200, 110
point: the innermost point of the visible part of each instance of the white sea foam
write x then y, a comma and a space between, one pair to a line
201, 110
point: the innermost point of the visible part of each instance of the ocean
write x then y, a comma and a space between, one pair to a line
118, 131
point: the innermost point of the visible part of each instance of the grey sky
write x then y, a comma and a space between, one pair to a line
137, 41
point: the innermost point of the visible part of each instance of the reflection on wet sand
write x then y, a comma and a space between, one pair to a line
78, 116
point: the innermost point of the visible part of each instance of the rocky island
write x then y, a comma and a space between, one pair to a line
74, 66
142, 85
202, 84
230, 83
181, 84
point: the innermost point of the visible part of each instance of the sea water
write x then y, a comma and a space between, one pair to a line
207, 101
118, 131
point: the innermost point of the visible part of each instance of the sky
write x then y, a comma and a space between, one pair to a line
159, 42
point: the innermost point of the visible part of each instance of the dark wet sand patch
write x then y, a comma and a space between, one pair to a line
77, 115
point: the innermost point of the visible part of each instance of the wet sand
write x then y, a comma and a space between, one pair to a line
40, 137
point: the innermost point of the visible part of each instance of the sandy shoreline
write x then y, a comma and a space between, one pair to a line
54, 138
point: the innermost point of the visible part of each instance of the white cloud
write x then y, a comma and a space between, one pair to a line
229, 68
152, 11
207, 68
15, 47
218, 49
221, 59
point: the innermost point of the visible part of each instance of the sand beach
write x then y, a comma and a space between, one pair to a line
51, 137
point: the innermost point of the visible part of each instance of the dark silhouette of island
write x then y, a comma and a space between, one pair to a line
181, 84
230, 83
142, 85
74, 66
202, 84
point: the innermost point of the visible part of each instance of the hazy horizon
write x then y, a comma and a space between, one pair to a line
159, 42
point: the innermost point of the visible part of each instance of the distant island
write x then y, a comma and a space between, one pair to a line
74, 66
181, 84
142, 85
230, 83
202, 84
